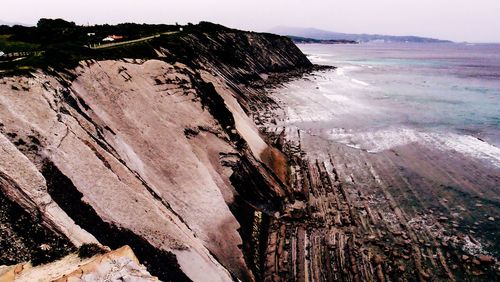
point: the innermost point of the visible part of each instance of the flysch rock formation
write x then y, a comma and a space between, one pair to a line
22, 181
181, 156
158, 154
141, 172
118, 265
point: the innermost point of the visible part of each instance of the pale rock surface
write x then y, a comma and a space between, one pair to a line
118, 265
28, 187
148, 177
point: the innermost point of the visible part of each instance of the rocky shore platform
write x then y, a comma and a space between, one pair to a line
350, 217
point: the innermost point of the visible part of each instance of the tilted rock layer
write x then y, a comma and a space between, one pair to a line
118, 265
141, 152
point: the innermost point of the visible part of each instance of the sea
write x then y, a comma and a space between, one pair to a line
412, 126
384, 95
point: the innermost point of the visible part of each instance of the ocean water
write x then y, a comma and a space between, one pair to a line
385, 95
416, 125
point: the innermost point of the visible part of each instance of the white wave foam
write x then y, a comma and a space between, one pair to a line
317, 59
359, 82
342, 75
385, 139
302, 114
374, 141
471, 146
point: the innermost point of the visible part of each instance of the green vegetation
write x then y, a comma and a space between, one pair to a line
8, 45
58, 43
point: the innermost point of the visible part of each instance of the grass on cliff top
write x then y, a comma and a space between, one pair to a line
8, 45
64, 44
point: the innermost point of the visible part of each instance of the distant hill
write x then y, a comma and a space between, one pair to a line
11, 23
319, 34
298, 39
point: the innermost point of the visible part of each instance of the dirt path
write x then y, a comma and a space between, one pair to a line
110, 45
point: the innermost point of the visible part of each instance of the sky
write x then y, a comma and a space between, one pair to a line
457, 20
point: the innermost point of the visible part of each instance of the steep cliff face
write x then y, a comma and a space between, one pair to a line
148, 153
240, 56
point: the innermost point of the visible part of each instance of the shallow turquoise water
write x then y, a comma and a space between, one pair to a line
454, 87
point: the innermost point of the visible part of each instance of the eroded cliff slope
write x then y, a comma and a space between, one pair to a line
156, 153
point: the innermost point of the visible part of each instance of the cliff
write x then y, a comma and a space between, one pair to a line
149, 146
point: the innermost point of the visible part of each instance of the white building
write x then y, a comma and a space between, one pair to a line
1, 54
112, 38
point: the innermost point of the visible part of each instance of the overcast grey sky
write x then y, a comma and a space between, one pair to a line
459, 20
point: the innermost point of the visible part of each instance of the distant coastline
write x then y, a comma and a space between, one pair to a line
318, 34
305, 40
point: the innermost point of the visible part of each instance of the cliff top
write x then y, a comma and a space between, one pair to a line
57, 43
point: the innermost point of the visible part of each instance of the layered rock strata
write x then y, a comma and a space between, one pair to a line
144, 153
